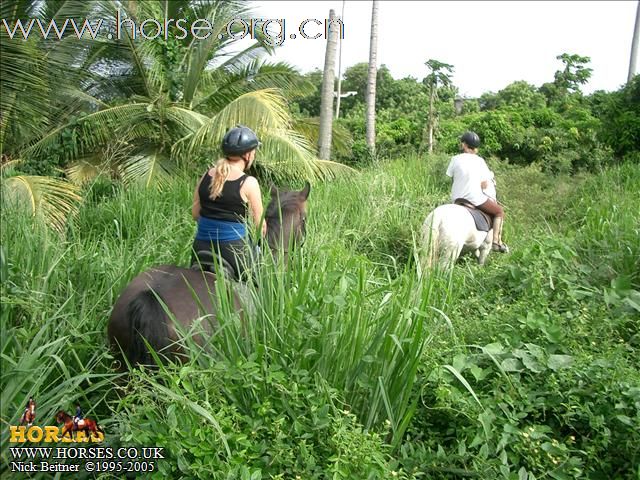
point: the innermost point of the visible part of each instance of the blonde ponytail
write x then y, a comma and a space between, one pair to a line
221, 173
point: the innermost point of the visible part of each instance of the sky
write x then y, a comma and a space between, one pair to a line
490, 44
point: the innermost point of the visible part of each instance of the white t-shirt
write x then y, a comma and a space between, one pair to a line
468, 170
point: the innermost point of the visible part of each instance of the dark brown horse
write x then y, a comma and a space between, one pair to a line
84, 425
140, 313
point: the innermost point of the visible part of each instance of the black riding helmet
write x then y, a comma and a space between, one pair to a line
471, 139
239, 140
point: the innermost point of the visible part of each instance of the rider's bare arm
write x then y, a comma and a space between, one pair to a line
251, 191
195, 207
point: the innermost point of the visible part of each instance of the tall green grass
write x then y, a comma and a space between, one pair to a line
347, 364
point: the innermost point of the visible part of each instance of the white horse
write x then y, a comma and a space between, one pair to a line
449, 231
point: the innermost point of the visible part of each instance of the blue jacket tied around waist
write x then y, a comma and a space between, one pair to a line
210, 230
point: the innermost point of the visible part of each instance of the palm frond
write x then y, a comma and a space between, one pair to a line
222, 86
341, 140
51, 199
189, 120
86, 170
263, 110
23, 89
97, 128
286, 155
146, 169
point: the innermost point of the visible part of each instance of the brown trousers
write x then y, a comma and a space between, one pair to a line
492, 207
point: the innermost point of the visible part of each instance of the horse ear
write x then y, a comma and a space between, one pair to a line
273, 190
305, 191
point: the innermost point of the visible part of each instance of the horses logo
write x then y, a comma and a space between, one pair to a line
87, 429
29, 414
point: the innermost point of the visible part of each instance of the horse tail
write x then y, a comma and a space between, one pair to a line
147, 321
431, 239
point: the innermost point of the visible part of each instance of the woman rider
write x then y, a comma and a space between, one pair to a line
220, 202
470, 176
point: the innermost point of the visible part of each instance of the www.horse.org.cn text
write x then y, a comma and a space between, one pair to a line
273, 31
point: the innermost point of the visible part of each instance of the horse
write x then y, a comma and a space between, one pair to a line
189, 294
29, 414
449, 231
69, 426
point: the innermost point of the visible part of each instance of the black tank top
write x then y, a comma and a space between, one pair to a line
229, 206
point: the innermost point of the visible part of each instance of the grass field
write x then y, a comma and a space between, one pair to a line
352, 367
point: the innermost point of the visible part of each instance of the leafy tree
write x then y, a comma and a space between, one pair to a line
519, 94
620, 113
308, 105
355, 80
575, 72
185, 94
565, 88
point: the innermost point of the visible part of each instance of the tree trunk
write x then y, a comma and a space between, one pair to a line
431, 115
371, 81
326, 100
634, 45
340, 67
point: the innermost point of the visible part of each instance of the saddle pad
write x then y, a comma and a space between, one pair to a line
483, 221
207, 262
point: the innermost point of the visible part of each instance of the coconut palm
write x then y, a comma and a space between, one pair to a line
170, 100
328, 81
139, 108
37, 90
371, 81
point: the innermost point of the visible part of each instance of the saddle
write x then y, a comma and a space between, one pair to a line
483, 221
207, 262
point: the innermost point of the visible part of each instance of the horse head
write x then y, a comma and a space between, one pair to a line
286, 217
61, 416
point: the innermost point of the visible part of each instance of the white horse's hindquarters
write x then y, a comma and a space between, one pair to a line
447, 232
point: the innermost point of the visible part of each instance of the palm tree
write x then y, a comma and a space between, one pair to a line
180, 96
138, 109
38, 89
371, 82
326, 99
339, 89
440, 76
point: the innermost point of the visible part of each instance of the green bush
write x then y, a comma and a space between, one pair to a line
293, 426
